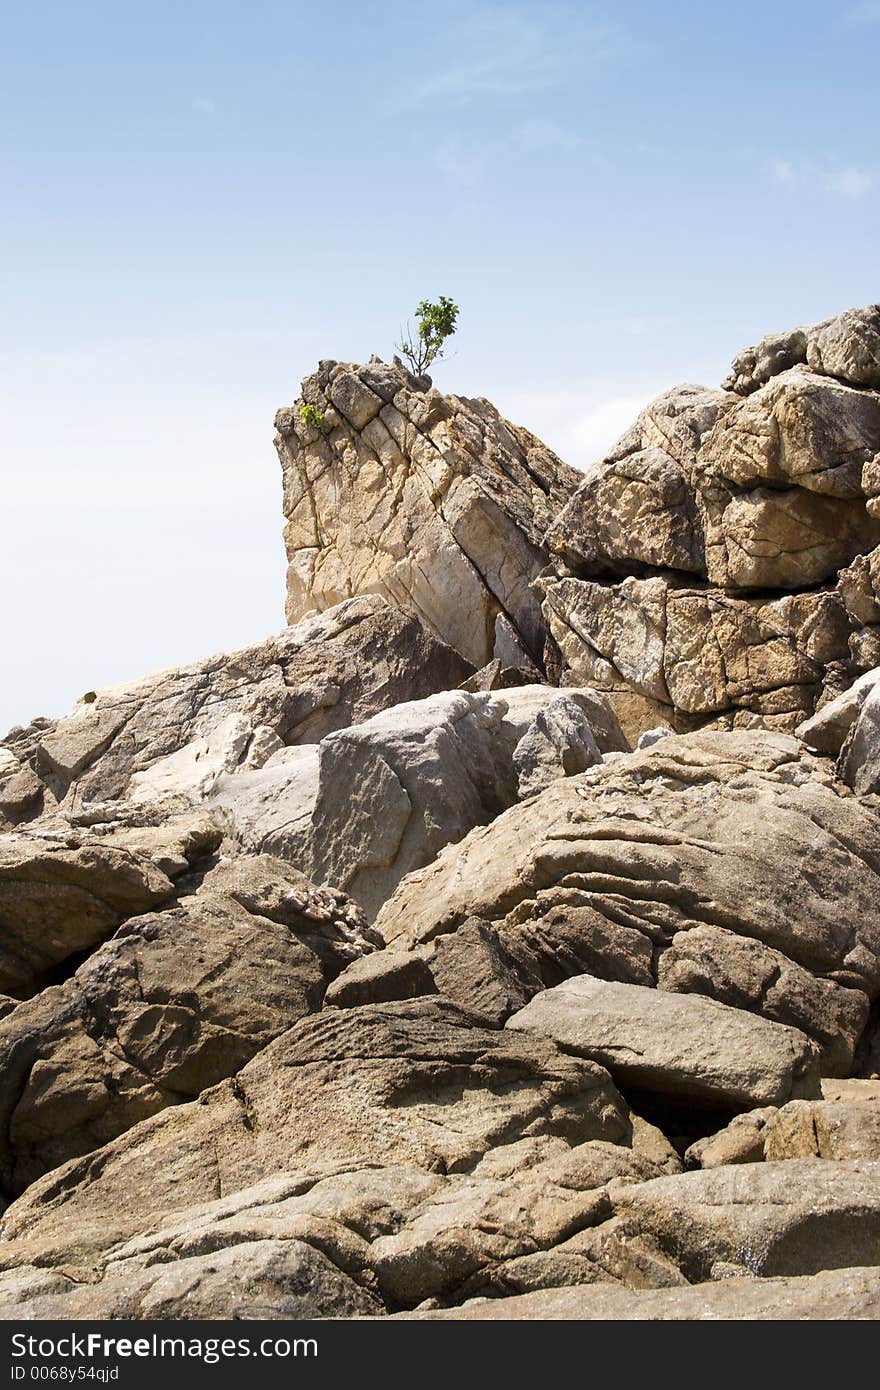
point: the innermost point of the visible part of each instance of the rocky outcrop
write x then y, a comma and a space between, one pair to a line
175, 1002
437, 767
725, 865
696, 567
411, 1092
323, 674
434, 501
698, 562
611, 1047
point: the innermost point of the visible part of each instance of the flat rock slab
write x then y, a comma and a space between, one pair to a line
675, 1044
797, 1216
836, 1295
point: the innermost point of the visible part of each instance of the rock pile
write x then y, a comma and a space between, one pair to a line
500, 940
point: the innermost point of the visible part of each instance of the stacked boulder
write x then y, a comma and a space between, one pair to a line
500, 940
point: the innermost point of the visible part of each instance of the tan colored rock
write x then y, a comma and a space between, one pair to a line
674, 1045
766, 1219
830, 1129
380, 978
698, 651
59, 897
434, 501
746, 974
326, 673
175, 1002
843, 1295
742, 1141
741, 837
417, 1084
800, 429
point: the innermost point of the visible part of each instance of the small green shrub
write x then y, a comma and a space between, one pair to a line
312, 417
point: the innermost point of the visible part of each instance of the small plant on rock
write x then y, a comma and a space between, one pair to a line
436, 323
312, 417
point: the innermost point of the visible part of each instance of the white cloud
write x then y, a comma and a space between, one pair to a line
850, 183
205, 106
843, 181
509, 54
866, 13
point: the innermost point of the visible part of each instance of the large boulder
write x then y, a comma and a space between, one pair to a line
768, 1219
175, 1002
680, 1045
859, 761
434, 501
436, 768
326, 673
729, 865
847, 347
417, 1085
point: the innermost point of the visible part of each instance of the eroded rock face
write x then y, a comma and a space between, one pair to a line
62, 896
175, 1002
436, 768
698, 561
726, 865
434, 501
323, 674
414, 1085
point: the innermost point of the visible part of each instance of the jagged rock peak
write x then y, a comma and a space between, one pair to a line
847, 347
433, 500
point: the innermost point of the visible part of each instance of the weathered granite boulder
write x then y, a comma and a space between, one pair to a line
847, 347
859, 762
432, 500
676, 1045
729, 865
766, 1219
826, 731
323, 674
175, 1002
415, 1085
436, 768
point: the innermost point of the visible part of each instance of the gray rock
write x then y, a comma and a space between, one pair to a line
859, 762
826, 730
681, 1045
327, 672
437, 767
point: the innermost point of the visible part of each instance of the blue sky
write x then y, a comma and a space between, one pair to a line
200, 200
